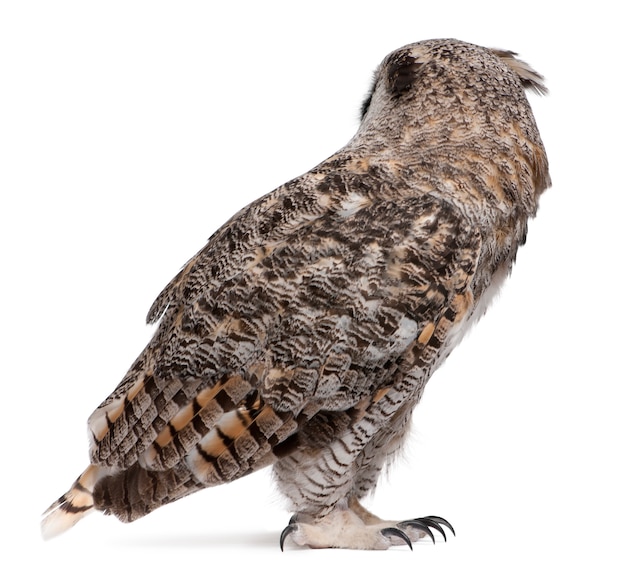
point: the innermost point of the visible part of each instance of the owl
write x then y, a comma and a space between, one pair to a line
304, 332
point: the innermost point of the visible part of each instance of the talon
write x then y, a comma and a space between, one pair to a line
289, 529
436, 526
441, 521
420, 525
388, 532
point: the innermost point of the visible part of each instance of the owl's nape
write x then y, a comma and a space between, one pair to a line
303, 334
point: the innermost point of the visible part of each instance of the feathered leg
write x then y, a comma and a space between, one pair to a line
329, 513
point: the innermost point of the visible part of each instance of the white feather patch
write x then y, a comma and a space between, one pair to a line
352, 203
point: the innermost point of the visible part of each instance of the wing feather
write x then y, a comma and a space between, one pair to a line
303, 303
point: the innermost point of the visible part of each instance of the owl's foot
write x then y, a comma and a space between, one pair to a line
356, 528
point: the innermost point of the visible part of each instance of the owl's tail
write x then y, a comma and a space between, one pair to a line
74, 505
128, 494
132, 493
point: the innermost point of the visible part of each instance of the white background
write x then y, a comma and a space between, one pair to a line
130, 131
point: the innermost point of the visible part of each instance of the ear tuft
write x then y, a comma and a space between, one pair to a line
365, 105
528, 76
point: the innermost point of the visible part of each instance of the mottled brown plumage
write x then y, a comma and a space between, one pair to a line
303, 333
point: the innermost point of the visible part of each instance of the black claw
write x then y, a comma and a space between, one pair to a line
420, 525
388, 532
436, 526
424, 524
440, 521
283, 536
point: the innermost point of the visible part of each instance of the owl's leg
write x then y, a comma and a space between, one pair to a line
325, 486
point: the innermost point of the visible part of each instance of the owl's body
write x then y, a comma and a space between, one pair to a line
302, 335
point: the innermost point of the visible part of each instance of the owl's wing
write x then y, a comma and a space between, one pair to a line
313, 299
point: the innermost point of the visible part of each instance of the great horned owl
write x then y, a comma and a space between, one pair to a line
303, 333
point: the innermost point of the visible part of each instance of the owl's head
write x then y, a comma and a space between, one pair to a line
451, 69
454, 98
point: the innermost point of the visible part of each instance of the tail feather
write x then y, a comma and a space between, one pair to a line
74, 505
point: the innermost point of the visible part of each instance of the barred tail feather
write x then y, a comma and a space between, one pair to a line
74, 505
